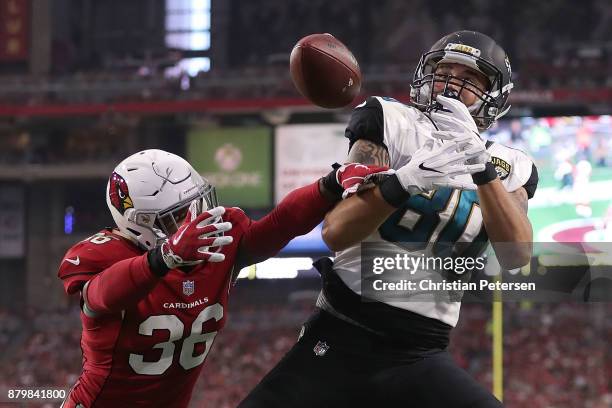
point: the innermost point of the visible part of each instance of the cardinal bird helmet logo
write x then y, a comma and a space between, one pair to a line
119, 193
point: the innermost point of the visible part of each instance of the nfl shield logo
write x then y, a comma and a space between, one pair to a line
320, 349
188, 287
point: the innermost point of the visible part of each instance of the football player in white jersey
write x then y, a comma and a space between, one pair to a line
393, 352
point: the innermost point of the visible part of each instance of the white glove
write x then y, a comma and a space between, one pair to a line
459, 126
436, 167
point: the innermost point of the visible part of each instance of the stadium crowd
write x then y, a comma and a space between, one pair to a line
555, 355
88, 144
547, 43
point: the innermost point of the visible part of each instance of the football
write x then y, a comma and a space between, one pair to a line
325, 71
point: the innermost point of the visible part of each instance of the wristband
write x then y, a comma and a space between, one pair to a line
485, 176
330, 183
393, 192
156, 262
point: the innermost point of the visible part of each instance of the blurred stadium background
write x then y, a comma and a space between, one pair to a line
85, 83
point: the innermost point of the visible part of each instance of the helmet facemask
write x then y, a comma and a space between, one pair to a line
169, 220
490, 103
166, 222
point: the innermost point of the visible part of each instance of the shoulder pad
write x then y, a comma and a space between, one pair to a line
91, 256
366, 122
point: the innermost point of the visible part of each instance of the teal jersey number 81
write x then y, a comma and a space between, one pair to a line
442, 217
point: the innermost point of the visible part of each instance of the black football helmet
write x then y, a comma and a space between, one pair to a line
476, 51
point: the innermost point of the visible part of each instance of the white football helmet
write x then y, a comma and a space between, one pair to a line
149, 194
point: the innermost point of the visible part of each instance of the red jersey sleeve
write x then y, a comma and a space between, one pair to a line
297, 214
91, 256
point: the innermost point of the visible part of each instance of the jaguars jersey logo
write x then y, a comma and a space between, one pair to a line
119, 194
502, 167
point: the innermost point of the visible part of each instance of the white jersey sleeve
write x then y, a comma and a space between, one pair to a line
400, 128
514, 168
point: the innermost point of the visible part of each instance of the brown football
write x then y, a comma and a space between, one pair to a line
325, 71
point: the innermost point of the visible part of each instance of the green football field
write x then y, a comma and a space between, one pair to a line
547, 178
543, 217
549, 213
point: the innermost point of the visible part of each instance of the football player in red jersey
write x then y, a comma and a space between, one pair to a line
154, 290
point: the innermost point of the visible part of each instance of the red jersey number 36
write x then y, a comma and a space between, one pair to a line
173, 324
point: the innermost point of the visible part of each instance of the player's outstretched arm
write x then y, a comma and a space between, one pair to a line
297, 214
431, 167
300, 211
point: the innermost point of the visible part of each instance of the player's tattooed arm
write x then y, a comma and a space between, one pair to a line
358, 216
367, 152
